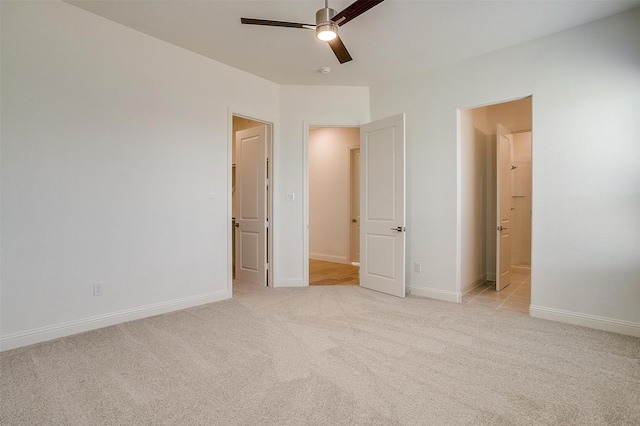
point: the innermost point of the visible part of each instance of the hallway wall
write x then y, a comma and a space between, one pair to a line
474, 171
521, 200
329, 192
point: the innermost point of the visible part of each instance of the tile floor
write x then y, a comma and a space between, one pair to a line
516, 297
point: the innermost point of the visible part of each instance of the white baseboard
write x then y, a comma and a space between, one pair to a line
29, 337
472, 284
585, 320
329, 258
434, 293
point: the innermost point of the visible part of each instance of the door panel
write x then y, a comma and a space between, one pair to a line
380, 187
384, 247
250, 242
382, 205
503, 207
251, 222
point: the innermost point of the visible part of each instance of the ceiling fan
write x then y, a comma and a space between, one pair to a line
327, 23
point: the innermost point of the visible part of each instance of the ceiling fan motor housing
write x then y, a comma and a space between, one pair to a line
326, 29
324, 16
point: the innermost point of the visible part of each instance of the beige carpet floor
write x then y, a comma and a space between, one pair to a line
326, 356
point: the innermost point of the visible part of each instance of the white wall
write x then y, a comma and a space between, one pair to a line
111, 140
330, 192
521, 200
301, 106
473, 175
585, 84
515, 115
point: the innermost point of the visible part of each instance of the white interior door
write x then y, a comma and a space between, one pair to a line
503, 207
251, 208
382, 205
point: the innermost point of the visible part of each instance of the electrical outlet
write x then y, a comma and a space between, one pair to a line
417, 267
98, 289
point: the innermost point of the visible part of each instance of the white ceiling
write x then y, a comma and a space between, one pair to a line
397, 38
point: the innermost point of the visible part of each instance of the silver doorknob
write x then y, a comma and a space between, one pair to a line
237, 225
399, 229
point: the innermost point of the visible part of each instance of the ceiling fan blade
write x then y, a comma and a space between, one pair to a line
252, 21
340, 50
355, 10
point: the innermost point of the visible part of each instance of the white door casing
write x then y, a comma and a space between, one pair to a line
503, 207
251, 213
354, 219
382, 205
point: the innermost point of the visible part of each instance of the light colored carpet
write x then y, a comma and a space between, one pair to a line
326, 356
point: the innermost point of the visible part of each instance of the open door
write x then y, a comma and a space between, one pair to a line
503, 207
382, 205
251, 208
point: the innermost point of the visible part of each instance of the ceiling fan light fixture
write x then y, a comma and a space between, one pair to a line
327, 31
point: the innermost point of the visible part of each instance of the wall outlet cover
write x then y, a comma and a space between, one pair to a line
98, 289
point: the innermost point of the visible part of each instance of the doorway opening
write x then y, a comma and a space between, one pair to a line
251, 204
382, 204
496, 204
334, 205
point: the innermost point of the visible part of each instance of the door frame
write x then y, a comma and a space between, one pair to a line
308, 125
459, 235
231, 112
352, 150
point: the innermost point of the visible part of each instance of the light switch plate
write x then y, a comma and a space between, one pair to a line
212, 193
291, 196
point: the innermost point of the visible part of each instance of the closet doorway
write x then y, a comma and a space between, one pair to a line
496, 205
250, 200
